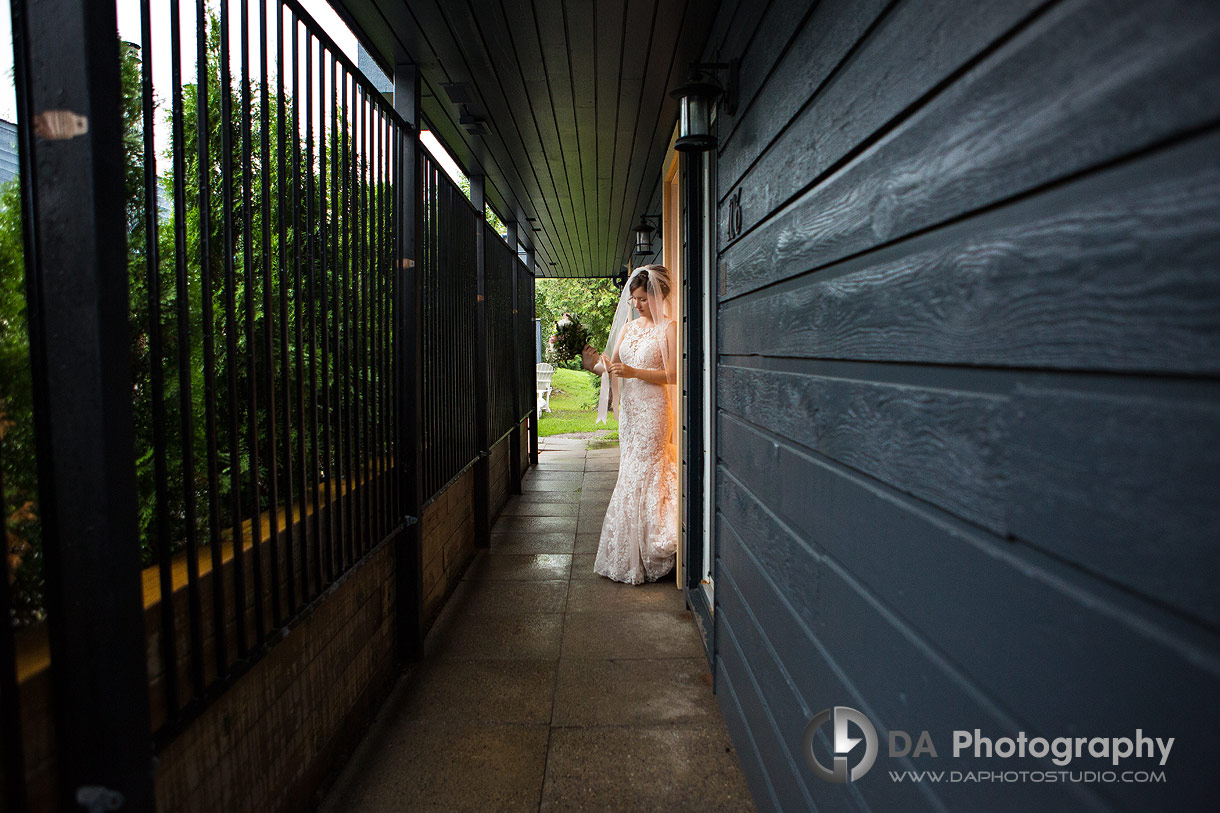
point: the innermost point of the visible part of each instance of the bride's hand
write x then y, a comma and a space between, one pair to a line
589, 358
621, 370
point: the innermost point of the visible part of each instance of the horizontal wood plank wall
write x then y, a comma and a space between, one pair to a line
969, 351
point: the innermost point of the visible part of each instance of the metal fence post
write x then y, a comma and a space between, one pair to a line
529, 264
514, 442
482, 466
75, 233
408, 366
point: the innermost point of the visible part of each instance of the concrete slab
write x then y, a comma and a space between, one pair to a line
634, 692
502, 597
613, 636
532, 543
534, 525
582, 566
426, 764
587, 543
517, 691
605, 596
539, 567
518, 507
663, 767
521, 636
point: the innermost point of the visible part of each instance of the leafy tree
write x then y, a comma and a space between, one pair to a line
593, 301
267, 239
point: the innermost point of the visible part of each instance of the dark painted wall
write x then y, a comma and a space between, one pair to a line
969, 432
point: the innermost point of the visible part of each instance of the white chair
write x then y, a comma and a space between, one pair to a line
544, 373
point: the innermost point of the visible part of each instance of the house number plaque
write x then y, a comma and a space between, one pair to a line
734, 223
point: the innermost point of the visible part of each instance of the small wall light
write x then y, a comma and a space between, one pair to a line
695, 100
643, 234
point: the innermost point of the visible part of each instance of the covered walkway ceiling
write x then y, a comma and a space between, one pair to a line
572, 99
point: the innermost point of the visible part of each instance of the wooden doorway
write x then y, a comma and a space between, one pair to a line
672, 253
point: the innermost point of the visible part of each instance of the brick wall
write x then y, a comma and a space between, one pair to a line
447, 537
499, 474
266, 743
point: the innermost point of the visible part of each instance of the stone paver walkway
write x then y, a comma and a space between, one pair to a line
547, 687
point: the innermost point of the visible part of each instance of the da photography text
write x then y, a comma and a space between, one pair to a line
850, 728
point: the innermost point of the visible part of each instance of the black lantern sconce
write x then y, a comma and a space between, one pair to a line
643, 234
695, 100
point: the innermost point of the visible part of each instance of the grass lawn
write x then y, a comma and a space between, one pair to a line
574, 406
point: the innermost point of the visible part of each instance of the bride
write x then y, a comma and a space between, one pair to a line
640, 532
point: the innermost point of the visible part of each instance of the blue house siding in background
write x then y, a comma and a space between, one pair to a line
968, 350
9, 167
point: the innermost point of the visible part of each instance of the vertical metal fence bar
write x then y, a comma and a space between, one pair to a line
324, 216
185, 401
348, 332
375, 323
398, 184
428, 315
338, 148
80, 341
250, 281
284, 277
366, 321
384, 367
209, 326
296, 502
230, 287
360, 325
359, 321
273, 473
373, 354
156, 352
366, 287
410, 205
311, 221
482, 369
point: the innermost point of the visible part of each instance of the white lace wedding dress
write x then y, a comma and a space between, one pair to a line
640, 532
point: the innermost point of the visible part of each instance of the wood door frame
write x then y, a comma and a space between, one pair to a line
687, 241
672, 256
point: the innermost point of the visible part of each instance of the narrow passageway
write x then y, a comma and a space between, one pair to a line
547, 687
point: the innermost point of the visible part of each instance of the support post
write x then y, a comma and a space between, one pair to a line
529, 264
514, 438
71, 133
408, 348
482, 465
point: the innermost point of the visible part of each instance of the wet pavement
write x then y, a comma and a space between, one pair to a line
546, 687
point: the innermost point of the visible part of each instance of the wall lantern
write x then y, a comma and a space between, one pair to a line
695, 100
643, 234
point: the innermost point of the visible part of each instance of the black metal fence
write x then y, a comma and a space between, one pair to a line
256, 302
524, 340
262, 311
448, 266
501, 265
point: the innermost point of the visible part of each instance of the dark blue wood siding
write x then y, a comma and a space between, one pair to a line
968, 455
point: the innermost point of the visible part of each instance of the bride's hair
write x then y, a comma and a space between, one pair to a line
660, 278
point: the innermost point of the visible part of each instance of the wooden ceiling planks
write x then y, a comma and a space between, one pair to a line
574, 95
608, 57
